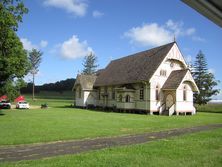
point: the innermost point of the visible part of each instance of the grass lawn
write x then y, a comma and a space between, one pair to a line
201, 149
61, 123
214, 108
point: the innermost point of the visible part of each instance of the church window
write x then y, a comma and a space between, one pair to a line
184, 93
157, 92
127, 98
120, 98
141, 93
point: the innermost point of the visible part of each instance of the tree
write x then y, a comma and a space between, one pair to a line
13, 58
35, 58
204, 80
89, 64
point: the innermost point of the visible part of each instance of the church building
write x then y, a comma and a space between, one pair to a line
155, 81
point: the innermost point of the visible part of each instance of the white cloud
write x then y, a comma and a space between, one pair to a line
178, 29
188, 59
149, 35
76, 7
28, 44
154, 34
97, 14
198, 39
43, 43
190, 31
211, 70
73, 48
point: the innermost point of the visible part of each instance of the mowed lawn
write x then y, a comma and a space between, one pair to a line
200, 149
60, 122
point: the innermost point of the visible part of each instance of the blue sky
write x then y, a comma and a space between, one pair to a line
66, 30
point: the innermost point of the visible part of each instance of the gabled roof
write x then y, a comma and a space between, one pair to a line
86, 81
174, 80
134, 68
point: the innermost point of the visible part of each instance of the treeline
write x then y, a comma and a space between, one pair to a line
60, 86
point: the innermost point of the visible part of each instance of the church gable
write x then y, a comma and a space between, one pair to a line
175, 55
172, 61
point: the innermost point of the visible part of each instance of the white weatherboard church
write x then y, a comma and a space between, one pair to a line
153, 81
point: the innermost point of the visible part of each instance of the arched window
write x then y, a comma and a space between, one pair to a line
184, 93
120, 98
141, 93
157, 93
127, 98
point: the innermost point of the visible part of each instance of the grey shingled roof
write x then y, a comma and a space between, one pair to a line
174, 79
86, 81
134, 68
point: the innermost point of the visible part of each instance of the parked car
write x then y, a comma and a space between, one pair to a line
4, 104
22, 105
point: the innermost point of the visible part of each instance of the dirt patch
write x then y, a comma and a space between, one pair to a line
31, 152
13, 107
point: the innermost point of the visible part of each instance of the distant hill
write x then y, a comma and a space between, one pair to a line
59, 86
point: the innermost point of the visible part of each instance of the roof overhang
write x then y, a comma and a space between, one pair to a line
193, 85
212, 9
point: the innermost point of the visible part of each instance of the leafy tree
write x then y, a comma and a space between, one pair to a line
35, 58
89, 64
13, 58
204, 80
12, 88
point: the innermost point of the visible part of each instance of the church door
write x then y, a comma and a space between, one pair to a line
169, 101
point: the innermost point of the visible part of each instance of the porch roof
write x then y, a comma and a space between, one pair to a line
174, 80
86, 81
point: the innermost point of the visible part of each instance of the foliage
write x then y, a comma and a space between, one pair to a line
204, 79
35, 58
59, 86
89, 64
13, 58
12, 88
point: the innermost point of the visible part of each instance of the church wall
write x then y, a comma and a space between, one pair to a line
187, 105
172, 62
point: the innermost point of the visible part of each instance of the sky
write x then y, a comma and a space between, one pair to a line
67, 30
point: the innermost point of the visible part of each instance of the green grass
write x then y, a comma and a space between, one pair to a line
52, 95
61, 123
215, 108
201, 149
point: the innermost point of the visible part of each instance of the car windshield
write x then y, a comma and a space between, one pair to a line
4, 101
23, 102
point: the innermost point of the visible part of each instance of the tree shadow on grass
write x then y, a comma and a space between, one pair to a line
217, 112
65, 106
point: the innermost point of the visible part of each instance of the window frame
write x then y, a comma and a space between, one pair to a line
157, 91
141, 93
128, 99
185, 93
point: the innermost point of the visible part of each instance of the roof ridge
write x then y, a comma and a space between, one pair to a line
138, 53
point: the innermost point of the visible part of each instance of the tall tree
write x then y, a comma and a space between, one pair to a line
35, 58
204, 79
89, 64
13, 58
